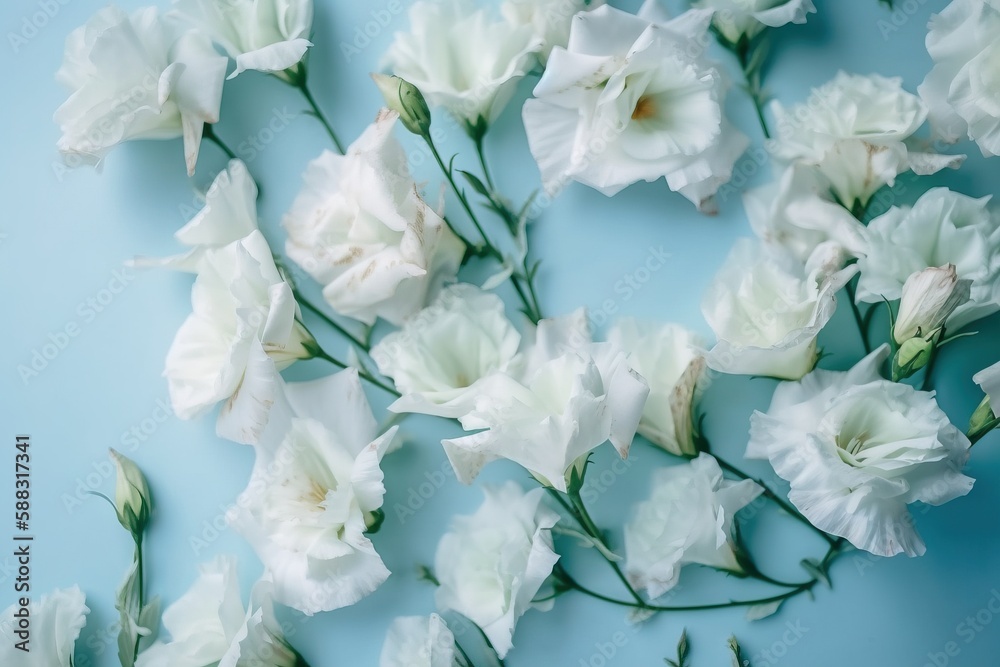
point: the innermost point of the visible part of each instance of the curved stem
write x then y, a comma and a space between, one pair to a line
300, 81
760, 576
316, 310
482, 161
582, 516
831, 553
466, 660
773, 496
487, 246
319, 353
743, 55
209, 133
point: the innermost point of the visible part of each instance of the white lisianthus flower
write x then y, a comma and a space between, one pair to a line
672, 361
767, 308
736, 19
361, 229
565, 397
989, 380
798, 213
265, 35
244, 317
962, 90
315, 490
629, 100
942, 227
548, 19
462, 58
857, 449
688, 518
137, 76
418, 641
442, 352
491, 564
857, 130
208, 626
50, 638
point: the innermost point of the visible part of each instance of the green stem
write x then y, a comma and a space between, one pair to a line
489, 247
209, 133
858, 317
316, 310
753, 88
583, 517
300, 81
141, 589
319, 353
482, 162
987, 429
466, 660
774, 497
831, 553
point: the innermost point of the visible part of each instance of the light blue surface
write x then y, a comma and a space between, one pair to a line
64, 237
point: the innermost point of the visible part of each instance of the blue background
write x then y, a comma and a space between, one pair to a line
65, 234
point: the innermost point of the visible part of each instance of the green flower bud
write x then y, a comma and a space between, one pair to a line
405, 99
912, 355
132, 497
983, 420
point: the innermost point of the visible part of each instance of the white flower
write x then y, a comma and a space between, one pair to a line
798, 213
856, 129
748, 18
942, 227
989, 380
229, 214
767, 309
418, 641
564, 397
491, 564
361, 229
266, 35
857, 449
462, 58
688, 518
441, 353
136, 76
208, 626
315, 490
929, 298
244, 316
548, 19
47, 638
671, 360
962, 90
629, 100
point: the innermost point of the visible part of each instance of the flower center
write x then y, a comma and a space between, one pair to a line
645, 108
315, 495
853, 445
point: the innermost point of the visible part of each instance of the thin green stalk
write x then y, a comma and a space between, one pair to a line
316, 310
141, 588
743, 54
300, 80
831, 553
587, 523
209, 133
773, 496
466, 660
489, 247
319, 353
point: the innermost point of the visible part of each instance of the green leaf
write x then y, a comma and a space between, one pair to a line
682, 649
816, 570
476, 184
734, 646
425, 573
760, 611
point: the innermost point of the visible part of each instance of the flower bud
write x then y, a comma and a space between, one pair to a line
983, 421
132, 498
405, 99
912, 355
929, 298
